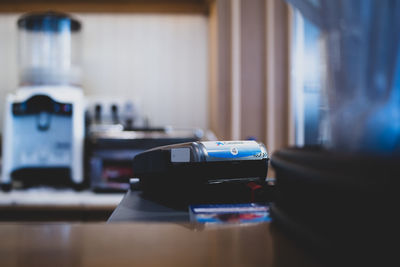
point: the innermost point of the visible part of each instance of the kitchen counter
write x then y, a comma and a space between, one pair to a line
47, 204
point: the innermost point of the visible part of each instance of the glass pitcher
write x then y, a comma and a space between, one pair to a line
49, 49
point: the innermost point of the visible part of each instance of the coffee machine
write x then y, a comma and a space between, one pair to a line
43, 129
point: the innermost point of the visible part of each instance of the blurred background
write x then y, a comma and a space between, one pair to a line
165, 71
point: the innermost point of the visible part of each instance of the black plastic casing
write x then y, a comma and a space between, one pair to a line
156, 164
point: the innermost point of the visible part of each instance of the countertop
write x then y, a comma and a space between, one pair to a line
48, 204
60, 198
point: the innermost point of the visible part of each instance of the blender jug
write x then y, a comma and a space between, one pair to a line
49, 49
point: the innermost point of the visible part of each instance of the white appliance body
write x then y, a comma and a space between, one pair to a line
44, 129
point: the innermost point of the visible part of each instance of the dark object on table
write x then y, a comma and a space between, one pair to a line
204, 172
326, 198
135, 207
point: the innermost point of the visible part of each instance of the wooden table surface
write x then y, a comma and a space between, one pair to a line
144, 244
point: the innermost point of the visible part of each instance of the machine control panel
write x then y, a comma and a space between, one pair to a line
40, 104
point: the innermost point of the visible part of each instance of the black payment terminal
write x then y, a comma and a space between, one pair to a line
203, 162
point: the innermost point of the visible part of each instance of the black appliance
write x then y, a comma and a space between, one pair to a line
109, 153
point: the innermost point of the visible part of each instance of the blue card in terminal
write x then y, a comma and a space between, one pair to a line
230, 213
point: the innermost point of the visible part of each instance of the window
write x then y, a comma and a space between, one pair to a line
306, 81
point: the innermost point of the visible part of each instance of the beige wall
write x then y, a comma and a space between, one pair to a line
160, 61
249, 71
